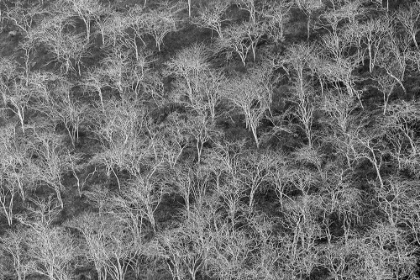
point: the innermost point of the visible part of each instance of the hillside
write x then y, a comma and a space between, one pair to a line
209, 139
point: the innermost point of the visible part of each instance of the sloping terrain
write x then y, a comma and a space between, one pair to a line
193, 139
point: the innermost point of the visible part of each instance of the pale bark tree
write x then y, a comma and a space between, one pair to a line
277, 13
394, 56
51, 160
8, 70
385, 253
373, 34
118, 130
303, 94
53, 250
89, 11
251, 96
190, 64
169, 140
250, 7
112, 28
185, 261
68, 49
109, 246
146, 192
23, 17
224, 166
241, 39
13, 245
256, 170
405, 145
309, 7
230, 252
15, 162
304, 230
371, 148
22, 94
386, 85
409, 19
342, 122
134, 33
212, 16
160, 22
64, 109
210, 91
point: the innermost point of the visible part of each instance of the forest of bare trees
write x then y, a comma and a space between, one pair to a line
209, 139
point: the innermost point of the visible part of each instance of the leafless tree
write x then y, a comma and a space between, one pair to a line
117, 129
13, 245
88, 11
190, 64
112, 28
241, 39
52, 250
297, 63
250, 7
212, 16
68, 49
394, 56
409, 18
277, 14
256, 170
51, 160
159, 22
309, 7
21, 16
252, 97
109, 247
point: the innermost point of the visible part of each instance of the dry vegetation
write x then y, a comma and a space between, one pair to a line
209, 139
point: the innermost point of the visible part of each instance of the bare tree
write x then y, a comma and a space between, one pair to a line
134, 30
250, 7
63, 108
68, 49
88, 11
386, 85
241, 39
277, 14
112, 28
13, 245
22, 16
373, 33
256, 171
109, 246
224, 166
370, 147
232, 249
344, 124
394, 56
210, 89
402, 136
50, 160
190, 64
8, 71
303, 94
409, 19
21, 93
53, 250
309, 7
212, 16
117, 129
159, 22
252, 97
184, 260
15, 164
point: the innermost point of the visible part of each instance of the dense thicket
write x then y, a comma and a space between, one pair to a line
193, 139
